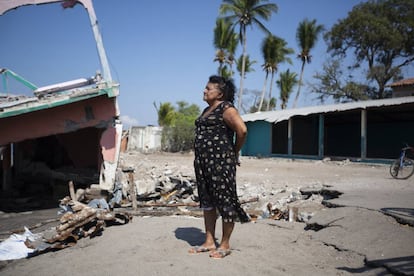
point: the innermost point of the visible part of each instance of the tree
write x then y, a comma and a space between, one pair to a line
339, 85
183, 132
248, 67
306, 35
178, 128
225, 42
251, 96
166, 114
380, 35
286, 82
190, 111
255, 107
226, 72
231, 51
274, 51
271, 105
245, 13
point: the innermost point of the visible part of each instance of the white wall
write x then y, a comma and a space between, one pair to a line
145, 139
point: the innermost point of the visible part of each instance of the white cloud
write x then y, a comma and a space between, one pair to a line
128, 121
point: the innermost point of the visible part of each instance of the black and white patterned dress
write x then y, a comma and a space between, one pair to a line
215, 165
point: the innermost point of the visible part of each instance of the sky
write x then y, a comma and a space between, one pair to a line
158, 50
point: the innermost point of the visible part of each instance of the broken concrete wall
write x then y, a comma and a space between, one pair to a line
77, 141
63, 130
145, 139
110, 145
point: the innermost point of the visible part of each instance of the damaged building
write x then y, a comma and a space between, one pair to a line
63, 132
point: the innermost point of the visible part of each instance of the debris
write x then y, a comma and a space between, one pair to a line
162, 187
276, 213
72, 191
132, 187
15, 246
78, 220
81, 220
293, 214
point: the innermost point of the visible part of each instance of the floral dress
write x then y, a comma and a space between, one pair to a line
215, 165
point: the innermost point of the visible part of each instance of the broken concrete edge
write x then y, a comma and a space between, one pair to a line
111, 159
398, 218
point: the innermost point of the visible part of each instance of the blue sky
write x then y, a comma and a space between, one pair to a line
158, 50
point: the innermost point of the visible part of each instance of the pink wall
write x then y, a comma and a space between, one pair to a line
108, 141
88, 113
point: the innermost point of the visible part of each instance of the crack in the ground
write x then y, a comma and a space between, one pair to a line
368, 264
329, 194
316, 226
398, 219
325, 193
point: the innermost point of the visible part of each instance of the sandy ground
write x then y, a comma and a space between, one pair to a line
356, 237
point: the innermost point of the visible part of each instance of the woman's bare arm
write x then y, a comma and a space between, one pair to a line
235, 122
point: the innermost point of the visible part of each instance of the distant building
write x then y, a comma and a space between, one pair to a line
144, 139
402, 88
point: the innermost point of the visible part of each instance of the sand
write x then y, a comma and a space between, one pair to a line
355, 238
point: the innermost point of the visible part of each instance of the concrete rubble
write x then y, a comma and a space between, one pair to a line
170, 189
160, 191
77, 220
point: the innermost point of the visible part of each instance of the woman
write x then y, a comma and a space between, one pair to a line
220, 134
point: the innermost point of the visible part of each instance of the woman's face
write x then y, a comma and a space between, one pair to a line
212, 93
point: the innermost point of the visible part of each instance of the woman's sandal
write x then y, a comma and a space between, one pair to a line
200, 249
220, 253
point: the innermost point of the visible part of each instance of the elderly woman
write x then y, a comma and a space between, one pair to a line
220, 134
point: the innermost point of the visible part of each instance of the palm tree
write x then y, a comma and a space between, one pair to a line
286, 83
166, 114
224, 42
246, 13
274, 52
226, 72
306, 35
248, 67
272, 103
231, 51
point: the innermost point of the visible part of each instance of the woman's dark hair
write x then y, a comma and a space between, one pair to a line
226, 86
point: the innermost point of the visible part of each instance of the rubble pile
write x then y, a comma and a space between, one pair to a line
286, 204
79, 221
144, 189
171, 189
153, 185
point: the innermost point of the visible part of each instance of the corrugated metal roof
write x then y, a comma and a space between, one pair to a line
282, 115
16, 105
